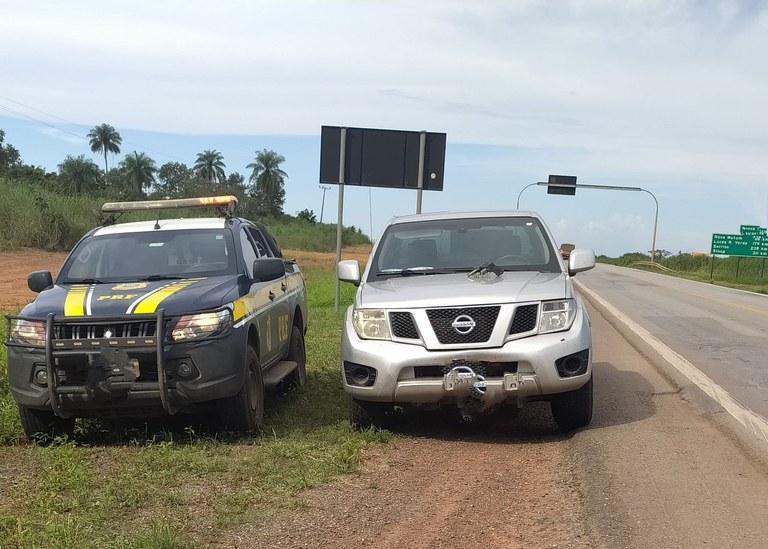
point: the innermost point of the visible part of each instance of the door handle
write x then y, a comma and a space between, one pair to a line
271, 296
284, 286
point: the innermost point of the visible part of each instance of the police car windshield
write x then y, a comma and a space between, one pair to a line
156, 255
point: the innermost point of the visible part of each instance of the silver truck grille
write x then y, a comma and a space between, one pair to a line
525, 319
403, 325
442, 321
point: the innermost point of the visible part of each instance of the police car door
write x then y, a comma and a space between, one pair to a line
273, 320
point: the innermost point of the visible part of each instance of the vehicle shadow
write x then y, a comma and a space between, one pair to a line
620, 397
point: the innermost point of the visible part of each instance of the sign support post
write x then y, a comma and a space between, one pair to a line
342, 151
420, 179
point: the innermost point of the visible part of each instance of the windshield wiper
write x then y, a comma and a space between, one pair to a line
83, 281
421, 271
160, 277
403, 272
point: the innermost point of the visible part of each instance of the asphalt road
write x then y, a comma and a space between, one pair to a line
722, 332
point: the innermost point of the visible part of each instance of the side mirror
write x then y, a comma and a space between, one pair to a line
580, 260
348, 271
39, 281
268, 268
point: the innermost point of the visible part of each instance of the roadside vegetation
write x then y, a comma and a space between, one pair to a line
37, 217
172, 485
52, 210
745, 273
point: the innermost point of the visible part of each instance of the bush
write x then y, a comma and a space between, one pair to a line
36, 216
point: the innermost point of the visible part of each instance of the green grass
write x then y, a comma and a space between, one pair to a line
745, 273
159, 487
34, 216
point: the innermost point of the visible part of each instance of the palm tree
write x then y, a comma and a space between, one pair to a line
104, 138
267, 179
79, 175
210, 163
140, 169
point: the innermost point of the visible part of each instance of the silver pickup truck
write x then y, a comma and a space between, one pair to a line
470, 309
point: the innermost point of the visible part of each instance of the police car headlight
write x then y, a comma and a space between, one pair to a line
28, 332
371, 324
557, 316
201, 325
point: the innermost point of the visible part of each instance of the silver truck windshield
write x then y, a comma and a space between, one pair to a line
153, 255
457, 245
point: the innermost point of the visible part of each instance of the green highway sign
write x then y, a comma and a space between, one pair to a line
752, 230
752, 242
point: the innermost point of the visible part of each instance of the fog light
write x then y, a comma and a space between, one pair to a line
184, 369
41, 377
573, 365
359, 375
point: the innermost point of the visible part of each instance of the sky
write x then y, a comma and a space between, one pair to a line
669, 96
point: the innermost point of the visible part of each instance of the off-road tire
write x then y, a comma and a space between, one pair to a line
364, 414
244, 412
296, 353
573, 409
43, 426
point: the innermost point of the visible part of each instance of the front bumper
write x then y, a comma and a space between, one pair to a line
411, 374
88, 377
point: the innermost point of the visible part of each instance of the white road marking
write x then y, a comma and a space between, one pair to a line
749, 419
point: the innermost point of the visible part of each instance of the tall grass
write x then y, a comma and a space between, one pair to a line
145, 487
34, 216
749, 273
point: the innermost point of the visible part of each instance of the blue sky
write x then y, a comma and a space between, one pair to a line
665, 95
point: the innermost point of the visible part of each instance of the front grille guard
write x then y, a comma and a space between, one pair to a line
53, 346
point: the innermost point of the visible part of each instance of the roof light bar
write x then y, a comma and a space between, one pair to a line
230, 202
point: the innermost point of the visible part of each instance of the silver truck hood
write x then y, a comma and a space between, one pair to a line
456, 290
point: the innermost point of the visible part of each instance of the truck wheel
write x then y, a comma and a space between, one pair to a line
573, 409
44, 426
364, 414
244, 412
296, 353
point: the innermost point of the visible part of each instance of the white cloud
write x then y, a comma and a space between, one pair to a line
666, 95
58, 134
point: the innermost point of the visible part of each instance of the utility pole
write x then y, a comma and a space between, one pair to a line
322, 205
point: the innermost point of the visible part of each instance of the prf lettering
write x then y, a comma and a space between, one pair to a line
118, 296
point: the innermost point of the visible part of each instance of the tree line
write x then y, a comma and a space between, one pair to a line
137, 175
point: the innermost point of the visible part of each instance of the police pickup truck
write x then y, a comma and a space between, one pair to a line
152, 318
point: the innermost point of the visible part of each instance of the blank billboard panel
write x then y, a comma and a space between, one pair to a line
382, 158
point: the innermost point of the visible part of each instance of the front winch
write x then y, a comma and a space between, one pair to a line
469, 386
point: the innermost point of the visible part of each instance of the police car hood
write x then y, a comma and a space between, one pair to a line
126, 298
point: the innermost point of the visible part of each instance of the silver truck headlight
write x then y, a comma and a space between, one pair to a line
557, 316
371, 323
201, 325
28, 332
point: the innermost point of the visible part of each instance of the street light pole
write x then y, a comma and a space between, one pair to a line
322, 205
655, 223
521, 192
608, 188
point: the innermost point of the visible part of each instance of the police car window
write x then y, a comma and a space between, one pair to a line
135, 256
261, 244
249, 253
